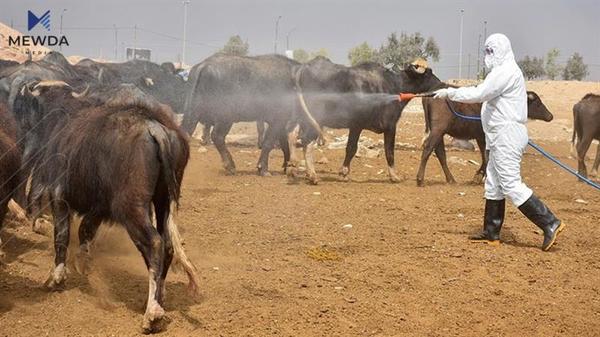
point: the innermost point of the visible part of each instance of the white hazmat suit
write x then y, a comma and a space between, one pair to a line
503, 117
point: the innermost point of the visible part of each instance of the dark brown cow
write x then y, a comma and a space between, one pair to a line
586, 127
10, 162
118, 163
440, 120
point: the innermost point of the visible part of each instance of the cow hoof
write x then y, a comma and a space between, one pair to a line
313, 180
42, 226
229, 171
56, 279
153, 319
345, 178
451, 182
264, 173
420, 183
82, 262
395, 179
478, 178
594, 174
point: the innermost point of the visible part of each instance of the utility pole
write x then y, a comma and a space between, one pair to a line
61, 22
185, 4
287, 38
484, 72
462, 12
134, 41
277, 32
469, 67
478, 56
116, 43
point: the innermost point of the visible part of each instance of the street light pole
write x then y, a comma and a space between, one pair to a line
185, 4
287, 38
61, 21
277, 32
462, 12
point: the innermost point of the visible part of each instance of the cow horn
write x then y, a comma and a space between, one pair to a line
420, 65
81, 94
149, 82
25, 91
51, 84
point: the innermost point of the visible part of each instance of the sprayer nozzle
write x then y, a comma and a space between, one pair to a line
404, 97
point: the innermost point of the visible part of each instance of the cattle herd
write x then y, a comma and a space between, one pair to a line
101, 140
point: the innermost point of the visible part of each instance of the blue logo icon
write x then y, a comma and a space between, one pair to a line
33, 20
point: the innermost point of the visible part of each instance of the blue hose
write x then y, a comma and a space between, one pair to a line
533, 145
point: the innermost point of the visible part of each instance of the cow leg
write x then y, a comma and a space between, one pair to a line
292, 137
582, 147
389, 143
430, 143
62, 227
310, 162
161, 207
150, 244
218, 135
260, 130
87, 231
3, 210
285, 148
273, 131
351, 148
206, 134
596, 163
480, 174
440, 152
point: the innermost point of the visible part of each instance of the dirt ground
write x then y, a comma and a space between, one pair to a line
362, 258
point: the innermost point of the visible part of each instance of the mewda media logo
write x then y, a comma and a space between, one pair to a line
33, 20
43, 23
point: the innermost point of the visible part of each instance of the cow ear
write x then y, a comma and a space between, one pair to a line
530, 96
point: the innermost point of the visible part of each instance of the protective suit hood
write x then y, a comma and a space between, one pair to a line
501, 51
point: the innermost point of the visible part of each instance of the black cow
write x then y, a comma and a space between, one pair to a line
119, 162
358, 98
10, 163
586, 127
224, 89
440, 120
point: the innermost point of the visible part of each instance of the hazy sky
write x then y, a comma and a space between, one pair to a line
533, 26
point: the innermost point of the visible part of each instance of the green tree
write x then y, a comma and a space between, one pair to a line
407, 48
321, 52
361, 54
575, 68
553, 69
532, 67
301, 55
236, 46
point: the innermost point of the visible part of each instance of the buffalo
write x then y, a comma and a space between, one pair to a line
10, 163
586, 127
119, 162
440, 119
358, 98
223, 90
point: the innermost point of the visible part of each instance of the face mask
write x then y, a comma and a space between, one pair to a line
489, 61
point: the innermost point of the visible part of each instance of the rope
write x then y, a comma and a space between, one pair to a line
533, 145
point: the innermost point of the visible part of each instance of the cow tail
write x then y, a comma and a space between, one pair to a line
189, 121
304, 109
427, 116
170, 146
574, 136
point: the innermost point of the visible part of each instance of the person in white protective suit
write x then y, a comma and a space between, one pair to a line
503, 117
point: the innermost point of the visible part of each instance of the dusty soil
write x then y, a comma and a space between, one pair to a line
277, 257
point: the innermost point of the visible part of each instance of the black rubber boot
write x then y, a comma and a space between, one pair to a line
493, 219
535, 210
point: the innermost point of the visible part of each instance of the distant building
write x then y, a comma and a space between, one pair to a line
139, 54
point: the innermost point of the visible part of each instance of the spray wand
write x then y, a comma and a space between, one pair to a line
405, 97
